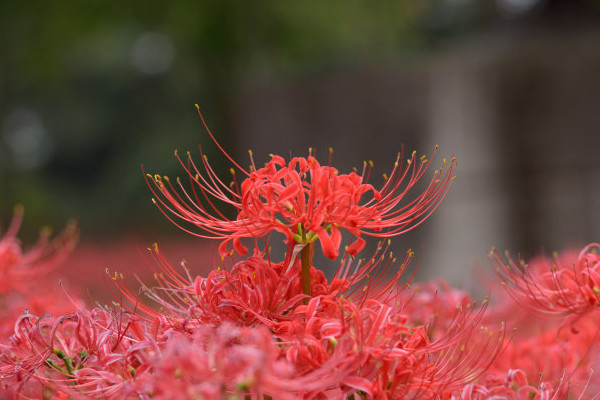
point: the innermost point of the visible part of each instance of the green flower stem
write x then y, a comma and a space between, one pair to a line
52, 364
306, 257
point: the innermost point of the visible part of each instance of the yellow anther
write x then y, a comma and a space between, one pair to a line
232, 171
407, 161
331, 150
437, 147
154, 200
385, 177
250, 152
197, 106
166, 178
175, 152
453, 178
371, 163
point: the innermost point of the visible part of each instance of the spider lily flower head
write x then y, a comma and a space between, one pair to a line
563, 285
255, 290
18, 267
568, 347
378, 354
303, 200
435, 304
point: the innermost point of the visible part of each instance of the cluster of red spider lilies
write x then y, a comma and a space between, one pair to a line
272, 326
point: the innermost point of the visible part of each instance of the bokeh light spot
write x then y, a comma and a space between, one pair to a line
152, 53
24, 133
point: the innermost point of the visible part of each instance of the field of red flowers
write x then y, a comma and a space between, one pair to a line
272, 326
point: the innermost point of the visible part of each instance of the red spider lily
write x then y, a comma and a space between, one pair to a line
227, 361
512, 387
379, 356
434, 304
303, 200
562, 350
87, 354
18, 267
255, 290
21, 286
563, 285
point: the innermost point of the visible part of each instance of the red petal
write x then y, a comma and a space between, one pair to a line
239, 247
362, 384
330, 244
223, 248
356, 246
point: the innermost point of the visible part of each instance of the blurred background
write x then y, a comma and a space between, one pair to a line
89, 93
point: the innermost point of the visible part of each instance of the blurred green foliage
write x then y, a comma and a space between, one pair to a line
69, 65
